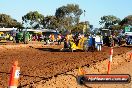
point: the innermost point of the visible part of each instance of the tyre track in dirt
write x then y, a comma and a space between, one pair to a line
39, 65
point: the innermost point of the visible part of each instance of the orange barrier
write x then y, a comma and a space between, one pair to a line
81, 71
130, 54
110, 60
109, 67
15, 71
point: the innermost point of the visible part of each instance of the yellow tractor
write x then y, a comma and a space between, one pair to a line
72, 46
82, 45
3, 36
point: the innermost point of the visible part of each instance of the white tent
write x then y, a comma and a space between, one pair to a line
40, 30
7, 29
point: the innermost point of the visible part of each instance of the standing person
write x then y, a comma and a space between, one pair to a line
98, 42
59, 39
66, 41
91, 43
119, 41
36, 37
115, 39
39, 35
30, 37
45, 39
52, 38
111, 43
107, 40
14, 32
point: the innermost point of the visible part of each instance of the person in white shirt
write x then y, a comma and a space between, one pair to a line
98, 42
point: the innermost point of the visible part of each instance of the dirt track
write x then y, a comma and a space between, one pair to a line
39, 63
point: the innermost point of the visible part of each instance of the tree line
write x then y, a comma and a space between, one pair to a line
66, 18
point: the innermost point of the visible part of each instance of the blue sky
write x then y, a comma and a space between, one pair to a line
94, 8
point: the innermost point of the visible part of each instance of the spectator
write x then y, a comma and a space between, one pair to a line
98, 42
59, 39
52, 38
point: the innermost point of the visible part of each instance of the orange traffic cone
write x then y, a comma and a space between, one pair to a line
130, 56
81, 71
15, 71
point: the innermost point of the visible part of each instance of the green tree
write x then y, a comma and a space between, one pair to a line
116, 27
82, 27
33, 19
7, 21
126, 21
68, 16
50, 22
109, 21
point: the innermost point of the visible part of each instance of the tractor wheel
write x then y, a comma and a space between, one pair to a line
17, 41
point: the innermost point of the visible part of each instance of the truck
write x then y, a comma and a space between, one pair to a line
128, 35
22, 36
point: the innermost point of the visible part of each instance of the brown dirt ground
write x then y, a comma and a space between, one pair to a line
38, 62
121, 64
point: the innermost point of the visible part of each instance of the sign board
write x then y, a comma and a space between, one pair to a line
128, 29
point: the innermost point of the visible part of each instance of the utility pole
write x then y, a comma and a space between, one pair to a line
84, 13
84, 23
